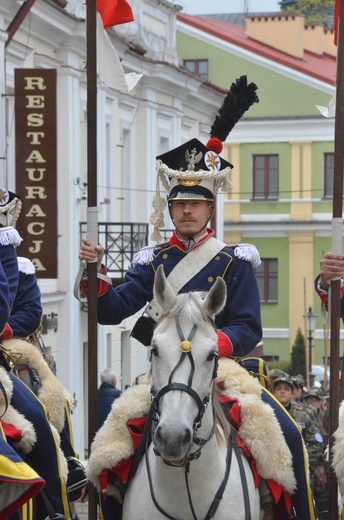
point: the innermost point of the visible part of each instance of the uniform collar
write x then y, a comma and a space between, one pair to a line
188, 245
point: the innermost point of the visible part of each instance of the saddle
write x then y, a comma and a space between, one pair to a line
111, 458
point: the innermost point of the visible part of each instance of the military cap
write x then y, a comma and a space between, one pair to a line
276, 372
196, 171
284, 379
312, 395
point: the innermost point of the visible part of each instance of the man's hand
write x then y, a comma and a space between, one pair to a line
91, 253
332, 266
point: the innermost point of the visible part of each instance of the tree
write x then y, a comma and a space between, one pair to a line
315, 11
298, 355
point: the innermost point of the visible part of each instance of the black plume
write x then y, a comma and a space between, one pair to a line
239, 99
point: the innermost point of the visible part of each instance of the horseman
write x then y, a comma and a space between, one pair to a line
24, 322
192, 259
18, 481
46, 446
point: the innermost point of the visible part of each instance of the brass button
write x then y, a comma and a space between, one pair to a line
217, 257
210, 279
165, 255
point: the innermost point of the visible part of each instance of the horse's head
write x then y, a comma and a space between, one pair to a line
184, 359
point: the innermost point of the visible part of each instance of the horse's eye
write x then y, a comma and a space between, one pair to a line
211, 356
154, 351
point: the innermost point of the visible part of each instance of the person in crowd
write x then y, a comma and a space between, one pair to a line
313, 399
107, 393
299, 396
284, 392
321, 494
192, 259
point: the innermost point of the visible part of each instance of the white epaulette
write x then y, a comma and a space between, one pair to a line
147, 254
9, 236
247, 252
25, 265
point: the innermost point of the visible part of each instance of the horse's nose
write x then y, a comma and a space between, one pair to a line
172, 444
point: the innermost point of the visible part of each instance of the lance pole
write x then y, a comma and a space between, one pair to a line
334, 296
92, 232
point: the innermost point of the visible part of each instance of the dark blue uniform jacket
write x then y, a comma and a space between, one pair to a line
239, 320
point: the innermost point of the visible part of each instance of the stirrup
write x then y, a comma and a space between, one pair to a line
77, 479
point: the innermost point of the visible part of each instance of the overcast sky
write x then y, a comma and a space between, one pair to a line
228, 6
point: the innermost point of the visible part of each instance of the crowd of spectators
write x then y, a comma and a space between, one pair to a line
308, 407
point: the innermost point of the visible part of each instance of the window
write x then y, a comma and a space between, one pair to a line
265, 177
266, 274
328, 175
198, 67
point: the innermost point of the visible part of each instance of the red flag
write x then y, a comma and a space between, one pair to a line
335, 21
114, 12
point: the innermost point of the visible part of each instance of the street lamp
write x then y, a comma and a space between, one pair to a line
311, 318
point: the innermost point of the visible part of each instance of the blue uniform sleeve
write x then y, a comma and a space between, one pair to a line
4, 299
27, 309
240, 319
8, 258
125, 300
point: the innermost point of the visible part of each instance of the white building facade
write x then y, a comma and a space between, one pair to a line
167, 107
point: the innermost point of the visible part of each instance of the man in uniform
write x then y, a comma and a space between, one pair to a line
46, 447
18, 482
193, 173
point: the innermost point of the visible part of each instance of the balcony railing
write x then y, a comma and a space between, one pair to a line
120, 242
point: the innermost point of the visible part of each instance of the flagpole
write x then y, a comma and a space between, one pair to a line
92, 232
337, 239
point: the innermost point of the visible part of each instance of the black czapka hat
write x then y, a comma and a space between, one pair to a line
194, 170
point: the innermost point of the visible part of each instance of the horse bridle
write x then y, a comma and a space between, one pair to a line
202, 404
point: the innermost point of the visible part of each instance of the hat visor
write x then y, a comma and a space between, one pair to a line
180, 192
189, 196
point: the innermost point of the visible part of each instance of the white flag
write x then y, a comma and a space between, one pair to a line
109, 67
330, 110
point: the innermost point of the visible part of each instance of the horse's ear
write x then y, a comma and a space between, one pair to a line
216, 297
163, 292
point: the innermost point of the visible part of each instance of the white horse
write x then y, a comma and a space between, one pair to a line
189, 471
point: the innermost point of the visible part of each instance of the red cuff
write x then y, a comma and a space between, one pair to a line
7, 333
224, 345
101, 284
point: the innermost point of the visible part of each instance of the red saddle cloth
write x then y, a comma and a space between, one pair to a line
136, 426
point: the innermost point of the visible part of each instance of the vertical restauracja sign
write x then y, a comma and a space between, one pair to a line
36, 167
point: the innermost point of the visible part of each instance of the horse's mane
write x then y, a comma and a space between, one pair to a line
222, 433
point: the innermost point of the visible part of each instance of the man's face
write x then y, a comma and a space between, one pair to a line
190, 217
314, 401
297, 392
284, 393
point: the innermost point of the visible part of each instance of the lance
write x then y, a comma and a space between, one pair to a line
92, 233
337, 231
